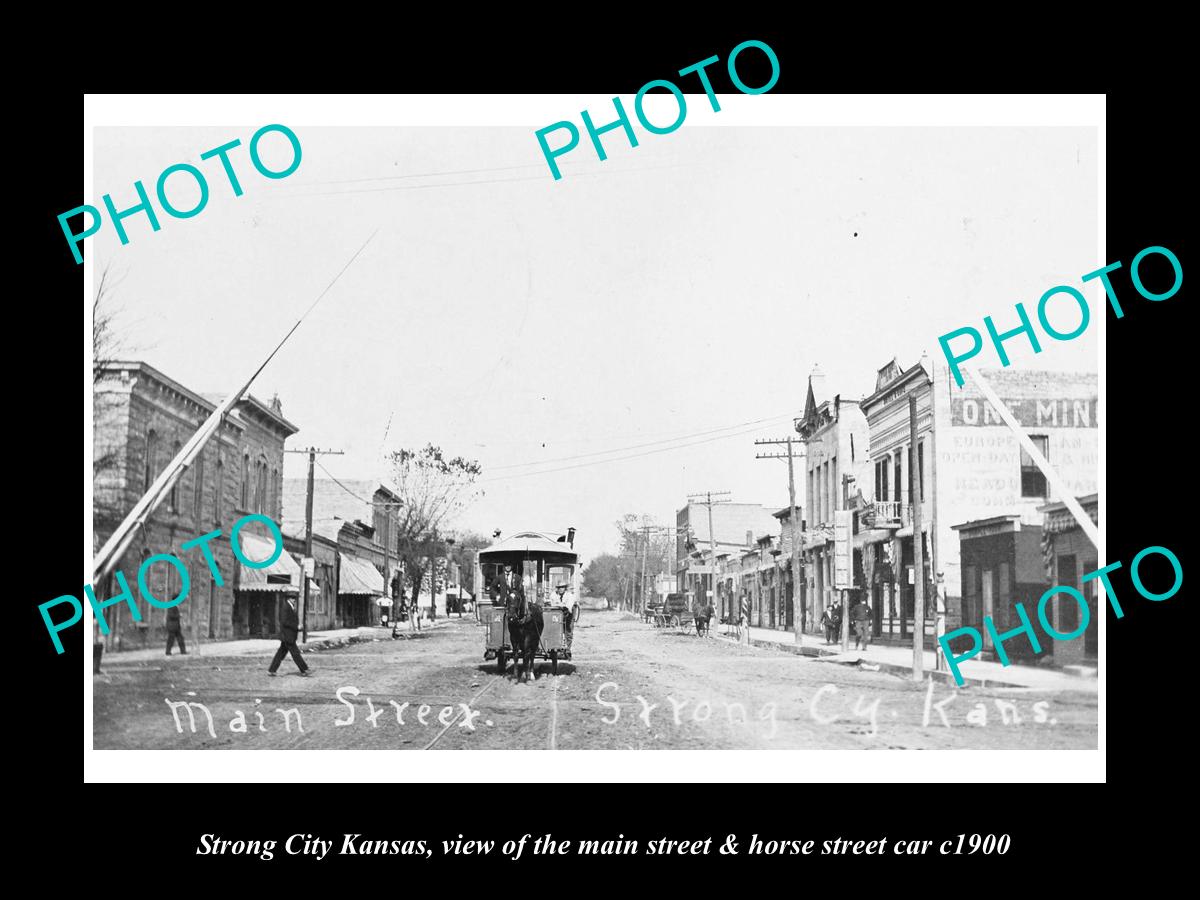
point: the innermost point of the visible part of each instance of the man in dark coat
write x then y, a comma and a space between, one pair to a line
175, 631
861, 613
289, 630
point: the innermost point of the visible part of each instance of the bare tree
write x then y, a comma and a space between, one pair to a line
641, 548
108, 346
432, 489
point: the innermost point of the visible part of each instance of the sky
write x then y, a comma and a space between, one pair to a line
665, 305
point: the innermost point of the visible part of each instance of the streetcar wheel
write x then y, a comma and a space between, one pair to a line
501, 662
553, 662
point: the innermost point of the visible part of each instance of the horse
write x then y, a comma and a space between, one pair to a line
525, 624
702, 614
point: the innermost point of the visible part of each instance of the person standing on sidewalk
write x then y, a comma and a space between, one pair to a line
289, 630
175, 631
861, 614
827, 624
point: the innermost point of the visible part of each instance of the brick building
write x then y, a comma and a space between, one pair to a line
141, 419
973, 476
361, 518
834, 432
1067, 555
731, 523
322, 587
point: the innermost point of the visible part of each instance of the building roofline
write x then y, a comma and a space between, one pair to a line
983, 523
904, 377
1058, 505
165, 380
207, 402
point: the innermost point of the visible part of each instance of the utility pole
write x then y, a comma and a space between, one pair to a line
723, 497
433, 576
794, 520
645, 557
308, 504
914, 496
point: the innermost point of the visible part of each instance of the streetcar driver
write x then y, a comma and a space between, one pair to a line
570, 611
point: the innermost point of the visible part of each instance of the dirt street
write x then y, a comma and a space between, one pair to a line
631, 687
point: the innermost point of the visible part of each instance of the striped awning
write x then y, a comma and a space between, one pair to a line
281, 576
358, 576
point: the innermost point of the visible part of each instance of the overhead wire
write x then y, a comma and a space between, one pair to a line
705, 436
640, 446
597, 462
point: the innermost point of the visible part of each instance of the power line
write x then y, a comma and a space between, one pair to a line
370, 503
620, 458
640, 446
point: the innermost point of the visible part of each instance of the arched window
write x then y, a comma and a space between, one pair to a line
275, 501
246, 481
260, 491
175, 487
218, 488
151, 452
198, 492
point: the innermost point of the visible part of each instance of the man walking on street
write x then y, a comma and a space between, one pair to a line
175, 631
289, 630
861, 614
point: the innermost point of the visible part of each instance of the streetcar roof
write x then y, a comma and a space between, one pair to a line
532, 543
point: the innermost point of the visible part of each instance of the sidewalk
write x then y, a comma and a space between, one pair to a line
898, 661
317, 640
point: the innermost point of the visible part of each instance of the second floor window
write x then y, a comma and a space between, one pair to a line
175, 487
1033, 482
198, 494
260, 491
921, 468
218, 488
151, 452
246, 481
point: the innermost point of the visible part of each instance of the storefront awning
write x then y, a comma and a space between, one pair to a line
358, 576
281, 576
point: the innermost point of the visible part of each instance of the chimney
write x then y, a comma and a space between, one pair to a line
275, 404
816, 383
571, 537
749, 538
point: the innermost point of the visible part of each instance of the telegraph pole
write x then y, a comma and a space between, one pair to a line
793, 517
645, 559
308, 504
723, 497
914, 496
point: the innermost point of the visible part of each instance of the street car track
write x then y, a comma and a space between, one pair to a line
483, 690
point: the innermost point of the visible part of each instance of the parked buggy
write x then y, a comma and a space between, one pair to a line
676, 612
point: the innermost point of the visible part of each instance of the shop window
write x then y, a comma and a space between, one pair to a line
971, 614
1067, 606
1033, 482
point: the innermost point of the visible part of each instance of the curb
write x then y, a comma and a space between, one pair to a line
334, 643
820, 654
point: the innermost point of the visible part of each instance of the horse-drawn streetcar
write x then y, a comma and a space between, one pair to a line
532, 581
